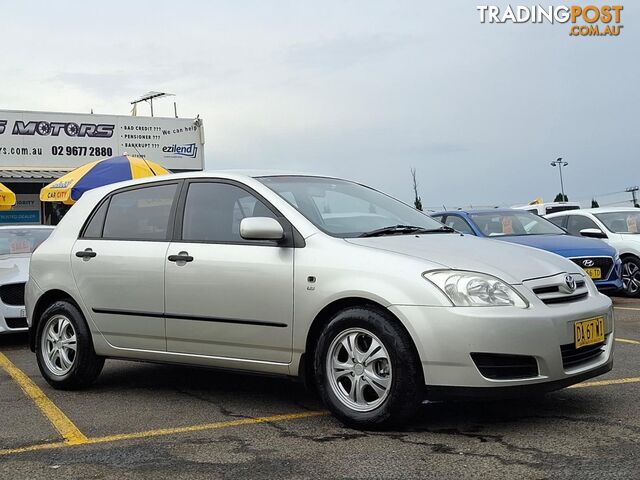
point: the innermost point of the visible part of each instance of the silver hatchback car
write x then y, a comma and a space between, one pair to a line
373, 302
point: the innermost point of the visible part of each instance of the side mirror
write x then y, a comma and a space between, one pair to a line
593, 233
261, 228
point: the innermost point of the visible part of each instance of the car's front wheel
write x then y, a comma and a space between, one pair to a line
368, 371
631, 276
64, 349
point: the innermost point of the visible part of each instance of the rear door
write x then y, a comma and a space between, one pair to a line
118, 264
233, 298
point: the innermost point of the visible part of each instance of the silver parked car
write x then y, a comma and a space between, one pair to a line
17, 242
376, 303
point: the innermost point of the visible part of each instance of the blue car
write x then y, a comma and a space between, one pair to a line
598, 259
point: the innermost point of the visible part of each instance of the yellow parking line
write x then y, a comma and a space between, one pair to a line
628, 308
626, 340
602, 383
167, 431
206, 426
59, 420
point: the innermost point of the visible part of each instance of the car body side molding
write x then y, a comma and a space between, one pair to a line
187, 317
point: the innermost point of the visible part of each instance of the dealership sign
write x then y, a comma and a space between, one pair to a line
57, 140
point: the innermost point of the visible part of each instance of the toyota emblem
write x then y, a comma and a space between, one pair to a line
570, 282
587, 263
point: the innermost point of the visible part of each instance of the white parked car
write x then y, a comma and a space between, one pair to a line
618, 226
16, 245
375, 302
549, 207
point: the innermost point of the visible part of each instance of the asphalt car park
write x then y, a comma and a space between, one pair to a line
148, 420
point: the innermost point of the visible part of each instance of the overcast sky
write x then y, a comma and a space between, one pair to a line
359, 89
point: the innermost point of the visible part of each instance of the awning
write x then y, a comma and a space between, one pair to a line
28, 175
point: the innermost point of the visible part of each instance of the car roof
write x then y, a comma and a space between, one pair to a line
472, 211
596, 210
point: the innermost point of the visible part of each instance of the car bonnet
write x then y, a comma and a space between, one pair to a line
511, 263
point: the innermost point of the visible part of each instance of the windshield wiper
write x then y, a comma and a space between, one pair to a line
405, 229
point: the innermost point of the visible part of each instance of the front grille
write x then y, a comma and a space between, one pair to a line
553, 290
605, 264
573, 357
20, 322
566, 298
498, 366
12, 294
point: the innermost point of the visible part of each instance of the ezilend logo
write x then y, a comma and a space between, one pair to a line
186, 150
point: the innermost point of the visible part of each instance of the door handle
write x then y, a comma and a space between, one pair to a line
86, 253
181, 257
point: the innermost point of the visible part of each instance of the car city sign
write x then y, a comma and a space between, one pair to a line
589, 20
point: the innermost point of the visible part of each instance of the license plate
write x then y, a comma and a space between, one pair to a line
23, 312
589, 332
594, 273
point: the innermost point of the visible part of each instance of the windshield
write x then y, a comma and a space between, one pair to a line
503, 223
346, 209
621, 222
22, 240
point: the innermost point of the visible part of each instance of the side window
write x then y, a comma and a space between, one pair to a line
458, 224
213, 212
559, 221
579, 222
94, 227
140, 214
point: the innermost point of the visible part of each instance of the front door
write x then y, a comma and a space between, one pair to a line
118, 264
226, 296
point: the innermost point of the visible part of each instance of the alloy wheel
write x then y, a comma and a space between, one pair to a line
631, 277
359, 369
59, 345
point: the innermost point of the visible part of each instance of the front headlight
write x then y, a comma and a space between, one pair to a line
472, 289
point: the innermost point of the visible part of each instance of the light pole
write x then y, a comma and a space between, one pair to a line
632, 191
560, 163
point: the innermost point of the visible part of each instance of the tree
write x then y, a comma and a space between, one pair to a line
594, 203
417, 201
559, 198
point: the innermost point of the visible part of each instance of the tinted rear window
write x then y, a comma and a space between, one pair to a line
140, 214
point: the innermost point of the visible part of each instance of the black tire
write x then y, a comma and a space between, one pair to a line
86, 364
405, 393
631, 265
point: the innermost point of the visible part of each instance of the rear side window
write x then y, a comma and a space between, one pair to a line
559, 221
94, 227
213, 212
140, 214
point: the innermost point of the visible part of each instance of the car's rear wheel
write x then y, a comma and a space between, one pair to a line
64, 349
631, 276
368, 371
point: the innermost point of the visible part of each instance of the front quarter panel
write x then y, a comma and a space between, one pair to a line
329, 269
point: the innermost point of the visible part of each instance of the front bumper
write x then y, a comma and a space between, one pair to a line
446, 337
613, 282
12, 318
